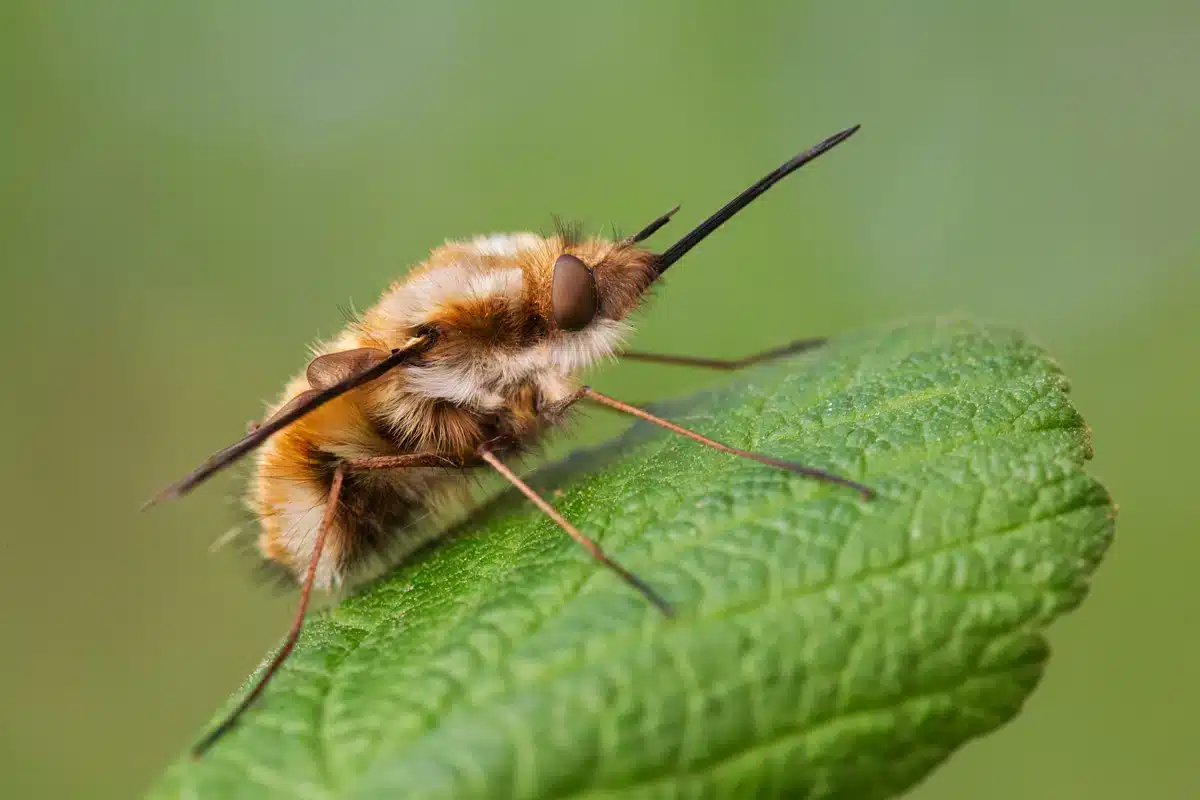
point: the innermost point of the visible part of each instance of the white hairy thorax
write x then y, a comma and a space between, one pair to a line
480, 380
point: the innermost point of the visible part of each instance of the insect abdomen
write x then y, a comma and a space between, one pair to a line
295, 470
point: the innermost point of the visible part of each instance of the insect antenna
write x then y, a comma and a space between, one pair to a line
229, 455
293, 636
651, 229
698, 234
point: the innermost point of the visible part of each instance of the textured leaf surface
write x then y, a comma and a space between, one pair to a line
826, 647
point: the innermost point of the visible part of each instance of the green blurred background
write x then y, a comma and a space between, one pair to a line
190, 192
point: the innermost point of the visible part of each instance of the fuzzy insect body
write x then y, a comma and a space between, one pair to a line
466, 361
498, 372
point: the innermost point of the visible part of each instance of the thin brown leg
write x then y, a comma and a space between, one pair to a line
293, 636
799, 469
588, 544
726, 364
403, 461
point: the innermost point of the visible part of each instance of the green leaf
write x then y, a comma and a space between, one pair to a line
825, 646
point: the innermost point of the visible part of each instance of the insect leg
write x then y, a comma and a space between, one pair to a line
293, 636
798, 346
403, 461
588, 544
799, 469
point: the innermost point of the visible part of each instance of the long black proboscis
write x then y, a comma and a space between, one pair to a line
697, 235
227, 456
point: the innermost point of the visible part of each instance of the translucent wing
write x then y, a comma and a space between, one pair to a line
330, 370
301, 405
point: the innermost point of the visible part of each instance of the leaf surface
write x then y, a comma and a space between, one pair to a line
826, 647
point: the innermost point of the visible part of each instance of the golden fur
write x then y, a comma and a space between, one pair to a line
497, 369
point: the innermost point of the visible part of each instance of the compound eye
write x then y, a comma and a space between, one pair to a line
572, 294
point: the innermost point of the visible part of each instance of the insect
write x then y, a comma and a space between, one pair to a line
461, 364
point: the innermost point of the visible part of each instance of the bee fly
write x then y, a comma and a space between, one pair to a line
464, 362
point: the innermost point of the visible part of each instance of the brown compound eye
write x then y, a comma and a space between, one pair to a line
572, 294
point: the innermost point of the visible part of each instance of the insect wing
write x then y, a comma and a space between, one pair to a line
302, 405
331, 369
